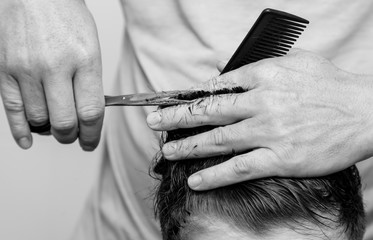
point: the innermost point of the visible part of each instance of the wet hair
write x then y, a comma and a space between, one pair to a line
311, 206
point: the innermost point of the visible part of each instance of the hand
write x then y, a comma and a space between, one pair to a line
300, 117
50, 70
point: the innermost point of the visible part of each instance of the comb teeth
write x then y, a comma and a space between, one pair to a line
272, 35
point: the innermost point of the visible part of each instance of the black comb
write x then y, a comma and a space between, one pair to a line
272, 35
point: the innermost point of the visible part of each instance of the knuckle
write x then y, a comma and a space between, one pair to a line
214, 105
187, 117
308, 59
276, 127
88, 56
37, 119
90, 115
288, 167
269, 72
240, 167
19, 61
218, 136
54, 65
51, 64
265, 67
13, 105
65, 126
203, 107
263, 99
277, 99
183, 147
63, 61
193, 110
220, 82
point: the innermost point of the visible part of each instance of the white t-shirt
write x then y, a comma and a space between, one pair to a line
174, 44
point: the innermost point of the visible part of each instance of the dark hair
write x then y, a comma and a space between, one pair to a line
331, 202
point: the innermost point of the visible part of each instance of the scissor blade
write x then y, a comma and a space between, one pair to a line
127, 100
165, 98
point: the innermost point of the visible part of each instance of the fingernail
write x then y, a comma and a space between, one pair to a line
169, 149
153, 119
194, 181
24, 143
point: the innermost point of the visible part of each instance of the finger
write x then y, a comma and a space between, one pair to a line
214, 110
253, 165
228, 80
234, 138
90, 105
220, 65
241, 77
35, 103
61, 106
14, 108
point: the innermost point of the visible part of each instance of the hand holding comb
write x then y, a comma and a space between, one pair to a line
272, 35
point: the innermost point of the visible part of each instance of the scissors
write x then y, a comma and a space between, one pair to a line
164, 98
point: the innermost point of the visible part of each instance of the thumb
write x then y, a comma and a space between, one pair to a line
252, 165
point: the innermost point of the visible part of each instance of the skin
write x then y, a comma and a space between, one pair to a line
302, 116
220, 230
50, 70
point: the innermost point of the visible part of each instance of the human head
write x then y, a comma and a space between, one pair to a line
327, 207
